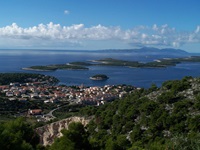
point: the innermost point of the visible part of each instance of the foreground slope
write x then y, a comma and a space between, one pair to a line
157, 118
152, 119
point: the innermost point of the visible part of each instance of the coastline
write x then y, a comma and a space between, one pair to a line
31, 69
97, 79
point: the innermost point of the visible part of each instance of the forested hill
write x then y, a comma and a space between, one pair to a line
165, 118
157, 118
7, 78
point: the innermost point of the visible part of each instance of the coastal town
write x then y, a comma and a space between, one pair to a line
45, 92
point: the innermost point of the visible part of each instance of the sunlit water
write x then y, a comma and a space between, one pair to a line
14, 60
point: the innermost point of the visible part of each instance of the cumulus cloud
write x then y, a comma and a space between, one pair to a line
66, 12
78, 34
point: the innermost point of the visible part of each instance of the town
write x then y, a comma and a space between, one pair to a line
43, 91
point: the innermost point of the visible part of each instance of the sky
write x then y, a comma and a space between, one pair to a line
100, 24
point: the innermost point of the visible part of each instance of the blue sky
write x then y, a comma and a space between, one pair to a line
100, 24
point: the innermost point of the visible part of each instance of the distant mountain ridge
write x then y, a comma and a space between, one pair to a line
137, 51
150, 50
168, 50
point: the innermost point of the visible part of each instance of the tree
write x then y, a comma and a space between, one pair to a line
111, 145
122, 142
18, 135
75, 138
153, 87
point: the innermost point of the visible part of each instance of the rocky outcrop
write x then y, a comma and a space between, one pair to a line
51, 131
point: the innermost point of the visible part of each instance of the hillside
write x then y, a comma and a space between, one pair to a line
152, 119
147, 119
157, 118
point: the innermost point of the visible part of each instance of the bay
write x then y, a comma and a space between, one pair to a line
14, 60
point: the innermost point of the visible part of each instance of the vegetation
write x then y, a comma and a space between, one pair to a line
68, 66
156, 118
75, 138
9, 109
158, 63
68, 111
18, 135
57, 66
7, 78
78, 63
151, 119
116, 62
99, 77
45, 68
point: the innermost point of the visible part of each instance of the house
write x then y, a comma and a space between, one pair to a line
12, 99
47, 101
9, 94
34, 95
17, 93
22, 99
4, 87
35, 112
54, 100
15, 84
25, 96
42, 95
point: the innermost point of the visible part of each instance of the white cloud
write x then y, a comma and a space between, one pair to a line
66, 12
197, 29
51, 34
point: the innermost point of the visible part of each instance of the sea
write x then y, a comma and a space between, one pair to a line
12, 61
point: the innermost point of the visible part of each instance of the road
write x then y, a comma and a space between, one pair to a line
50, 114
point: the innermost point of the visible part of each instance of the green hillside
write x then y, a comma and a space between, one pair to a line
165, 118
157, 118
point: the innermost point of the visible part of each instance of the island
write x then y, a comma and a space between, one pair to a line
99, 77
159, 63
56, 67
40, 68
80, 63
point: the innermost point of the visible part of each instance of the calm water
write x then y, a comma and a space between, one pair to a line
13, 61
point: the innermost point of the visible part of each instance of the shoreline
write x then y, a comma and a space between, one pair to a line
97, 79
31, 69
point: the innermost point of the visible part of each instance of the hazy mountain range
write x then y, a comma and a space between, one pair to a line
150, 50
139, 51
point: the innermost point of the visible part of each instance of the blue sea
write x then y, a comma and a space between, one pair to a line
15, 60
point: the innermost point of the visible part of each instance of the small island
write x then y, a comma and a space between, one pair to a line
99, 77
159, 63
56, 67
